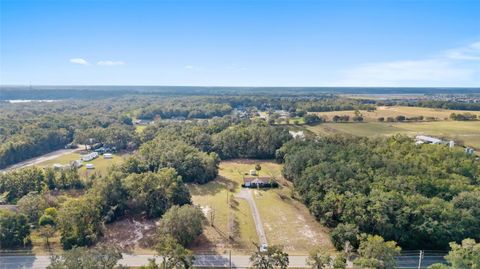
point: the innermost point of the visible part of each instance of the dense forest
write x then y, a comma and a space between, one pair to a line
422, 197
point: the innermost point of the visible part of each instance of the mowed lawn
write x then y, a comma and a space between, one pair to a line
393, 111
467, 132
101, 165
286, 222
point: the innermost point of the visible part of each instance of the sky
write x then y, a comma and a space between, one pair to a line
399, 43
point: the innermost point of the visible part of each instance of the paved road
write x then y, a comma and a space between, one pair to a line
46, 157
247, 195
209, 261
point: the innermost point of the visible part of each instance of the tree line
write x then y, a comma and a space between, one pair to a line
422, 197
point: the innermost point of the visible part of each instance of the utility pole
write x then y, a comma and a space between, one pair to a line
420, 259
230, 258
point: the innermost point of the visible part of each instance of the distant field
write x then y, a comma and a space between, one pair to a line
101, 165
393, 111
286, 222
460, 131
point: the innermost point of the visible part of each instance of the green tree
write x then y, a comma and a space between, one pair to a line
101, 257
319, 260
183, 223
273, 257
32, 205
157, 192
345, 233
173, 254
14, 230
79, 222
463, 256
376, 253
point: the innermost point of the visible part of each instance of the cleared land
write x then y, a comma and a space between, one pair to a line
286, 222
101, 165
393, 111
467, 132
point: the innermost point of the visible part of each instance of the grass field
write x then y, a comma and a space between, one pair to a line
393, 111
286, 221
101, 165
467, 132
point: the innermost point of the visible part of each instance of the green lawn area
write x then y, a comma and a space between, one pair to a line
140, 128
286, 222
101, 165
467, 132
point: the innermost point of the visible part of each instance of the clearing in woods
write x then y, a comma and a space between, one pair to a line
285, 221
101, 164
467, 132
393, 111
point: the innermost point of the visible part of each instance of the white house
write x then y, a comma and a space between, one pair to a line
107, 156
89, 166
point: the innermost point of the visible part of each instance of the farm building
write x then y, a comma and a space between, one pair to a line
89, 166
107, 156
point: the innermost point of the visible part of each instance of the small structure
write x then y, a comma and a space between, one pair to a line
295, 135
421, 139
89, 166
253, 172
107, 156
469, 150
89, 157
57, 166
451, 144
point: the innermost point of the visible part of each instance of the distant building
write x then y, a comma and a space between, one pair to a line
89, 166
89, 157
107, 156
253, 172
421, 139
298, 134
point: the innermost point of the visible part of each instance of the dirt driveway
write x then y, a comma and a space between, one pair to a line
246, 194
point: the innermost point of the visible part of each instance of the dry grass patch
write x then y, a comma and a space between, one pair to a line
393, 111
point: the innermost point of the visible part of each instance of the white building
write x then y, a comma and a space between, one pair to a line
427, 139
298, 134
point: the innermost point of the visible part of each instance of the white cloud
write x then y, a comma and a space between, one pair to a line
470, 52
189, 67
79, 61
450, 68
110, 63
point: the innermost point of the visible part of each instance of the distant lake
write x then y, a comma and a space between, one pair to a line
30, 101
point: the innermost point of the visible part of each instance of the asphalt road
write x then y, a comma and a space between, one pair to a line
39, 159
209, 261
246, 194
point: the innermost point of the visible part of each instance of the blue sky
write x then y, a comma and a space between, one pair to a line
241, 43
